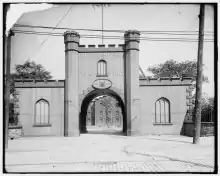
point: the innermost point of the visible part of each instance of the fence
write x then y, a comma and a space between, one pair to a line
208, 120
207, 115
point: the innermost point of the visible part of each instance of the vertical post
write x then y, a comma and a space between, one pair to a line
197, 121
102, 23
71, 119
7, 83
132, 99
7, 51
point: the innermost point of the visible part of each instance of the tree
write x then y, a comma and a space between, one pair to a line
207, 107
28, 70
31, 70
171, 68
106, 101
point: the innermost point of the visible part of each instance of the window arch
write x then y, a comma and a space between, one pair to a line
42, 112
102, 68
162, 111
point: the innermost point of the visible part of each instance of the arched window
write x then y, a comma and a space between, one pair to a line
102, 68
42, 112
162, 111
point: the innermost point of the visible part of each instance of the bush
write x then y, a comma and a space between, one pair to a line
13, 116
207, 109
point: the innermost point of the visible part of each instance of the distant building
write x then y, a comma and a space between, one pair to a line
101, 116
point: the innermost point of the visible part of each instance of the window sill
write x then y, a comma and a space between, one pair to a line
42, 125
163, 124
101, 75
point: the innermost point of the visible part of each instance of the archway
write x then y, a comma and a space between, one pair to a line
92, 95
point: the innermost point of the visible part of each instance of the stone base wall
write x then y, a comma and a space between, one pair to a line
207, 129
15, 132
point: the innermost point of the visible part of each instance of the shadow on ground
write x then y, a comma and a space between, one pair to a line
173, 140
173, 159
105, 131
116, 133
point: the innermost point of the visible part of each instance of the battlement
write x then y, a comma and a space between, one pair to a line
101, 48
35, 83
165, 81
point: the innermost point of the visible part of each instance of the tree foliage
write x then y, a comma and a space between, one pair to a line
30, 70
171, 68
207, 103
207, 108
106, 102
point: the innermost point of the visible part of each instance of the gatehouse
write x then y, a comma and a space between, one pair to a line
92, 73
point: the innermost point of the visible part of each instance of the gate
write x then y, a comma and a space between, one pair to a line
103, 118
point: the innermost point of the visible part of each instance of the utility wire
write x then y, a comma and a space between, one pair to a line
50, 34
83, 35
47, 27
102, 23
87, 35
57, 24
114, 37
169, 33
119, 31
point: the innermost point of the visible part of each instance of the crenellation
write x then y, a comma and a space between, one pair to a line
101, 46
111, 45
164, 82
37, 80
91, 46
120, 45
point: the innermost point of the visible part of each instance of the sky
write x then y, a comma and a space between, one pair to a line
148, 17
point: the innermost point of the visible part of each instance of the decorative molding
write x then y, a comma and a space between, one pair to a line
162, 124
102, 84
85, 92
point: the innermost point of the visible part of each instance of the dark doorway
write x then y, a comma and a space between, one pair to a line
95, 118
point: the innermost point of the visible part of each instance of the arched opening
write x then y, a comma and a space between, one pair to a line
97, 116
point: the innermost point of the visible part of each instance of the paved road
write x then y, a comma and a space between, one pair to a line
110, 152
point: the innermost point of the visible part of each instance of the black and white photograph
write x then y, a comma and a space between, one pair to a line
105, 87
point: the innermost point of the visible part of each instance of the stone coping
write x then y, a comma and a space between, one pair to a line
100, 49
102, 46
166, 82
39, 83
37, 80
166, 78
29, 83
15, 127
149, 79
201, 122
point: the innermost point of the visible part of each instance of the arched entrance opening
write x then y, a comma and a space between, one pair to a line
102, 110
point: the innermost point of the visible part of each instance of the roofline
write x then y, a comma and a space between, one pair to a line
167, 78
37, 80
63, 80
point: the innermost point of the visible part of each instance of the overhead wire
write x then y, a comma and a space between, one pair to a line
113, 37
117, 31
50, 33
57, 24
